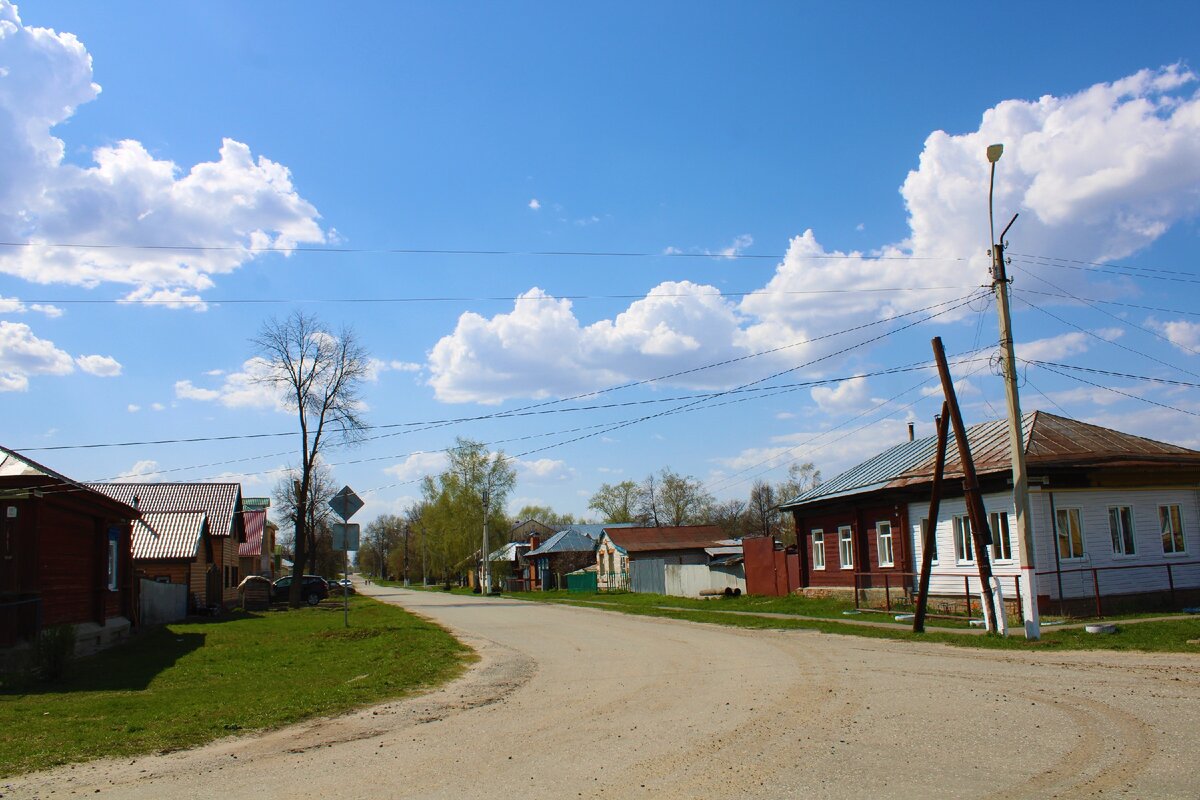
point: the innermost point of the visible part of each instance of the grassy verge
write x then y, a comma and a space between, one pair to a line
189, 683
1166, 636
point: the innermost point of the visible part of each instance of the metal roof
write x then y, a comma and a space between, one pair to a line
508, 552
220, 501
1050, 441
874, 473
571, 540
168, 534
683, 537
255, 522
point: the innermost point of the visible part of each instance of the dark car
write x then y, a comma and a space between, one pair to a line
312, 591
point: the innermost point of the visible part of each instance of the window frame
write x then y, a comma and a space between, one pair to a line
846, 546
1122, 529
879, 540
1001, 539
818, 547
1181, 549
964, 542
1059, 538
921, 526
112, 578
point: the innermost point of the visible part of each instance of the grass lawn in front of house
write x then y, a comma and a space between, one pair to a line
1174, 635
195, 681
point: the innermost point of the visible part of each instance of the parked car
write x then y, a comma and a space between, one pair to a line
313, 590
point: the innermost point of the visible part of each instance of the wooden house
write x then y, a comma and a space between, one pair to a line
65, 557
658, 549
1115, 518
256, 553
214, 572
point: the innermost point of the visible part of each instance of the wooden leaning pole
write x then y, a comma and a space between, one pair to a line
929, 534
981, 537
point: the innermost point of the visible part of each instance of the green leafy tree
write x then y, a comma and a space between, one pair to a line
616, 502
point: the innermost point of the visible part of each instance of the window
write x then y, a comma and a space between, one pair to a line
1171, 523
1120, 527
931, 539
964, 547
846, 547
1070, 533
1001, 544
113, 560
818, 537
883, 535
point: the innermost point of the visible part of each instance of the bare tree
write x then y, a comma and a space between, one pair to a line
764, 508
319, 376
730, 516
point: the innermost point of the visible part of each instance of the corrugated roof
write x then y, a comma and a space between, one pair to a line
1050, 440
683, 537
220, 501
255, 522
168, 534
874, 473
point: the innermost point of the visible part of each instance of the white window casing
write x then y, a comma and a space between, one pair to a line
883, 538
846, 547
818, 544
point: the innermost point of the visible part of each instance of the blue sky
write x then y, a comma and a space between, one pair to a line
836, 150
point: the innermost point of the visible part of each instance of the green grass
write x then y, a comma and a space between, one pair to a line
189, 683
1165, 636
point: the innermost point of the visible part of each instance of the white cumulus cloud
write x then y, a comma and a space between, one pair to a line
102, 366
1096, 175
418, 465
237, 203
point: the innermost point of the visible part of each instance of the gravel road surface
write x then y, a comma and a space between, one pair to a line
572, 702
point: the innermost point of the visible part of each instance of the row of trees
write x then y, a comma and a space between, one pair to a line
319, 376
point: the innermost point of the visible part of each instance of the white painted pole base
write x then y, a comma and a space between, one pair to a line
1029, 608
998, 597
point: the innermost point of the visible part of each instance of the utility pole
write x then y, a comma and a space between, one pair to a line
1025, 551
485, 577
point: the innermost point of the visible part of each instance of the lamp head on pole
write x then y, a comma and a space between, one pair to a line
994, 152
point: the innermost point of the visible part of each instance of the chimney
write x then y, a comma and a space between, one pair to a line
911, 432
534, 541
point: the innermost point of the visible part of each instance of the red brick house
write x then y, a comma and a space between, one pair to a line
65, 557
1115, 518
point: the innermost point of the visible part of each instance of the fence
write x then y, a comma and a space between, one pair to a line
896, 588
160, 603
1131, 588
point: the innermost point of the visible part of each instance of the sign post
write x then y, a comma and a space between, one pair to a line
345, 538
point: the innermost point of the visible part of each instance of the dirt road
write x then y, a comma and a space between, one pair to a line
570, 702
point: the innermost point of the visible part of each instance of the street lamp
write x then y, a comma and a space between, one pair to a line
1015, 434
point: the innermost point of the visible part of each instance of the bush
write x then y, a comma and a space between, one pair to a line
52, 652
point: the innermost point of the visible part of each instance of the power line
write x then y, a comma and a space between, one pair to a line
1111, 373
693, 404
520, 411
1141, 328
1104, 302
431, 251
468, 299
1174, 278
1117, 391
1082, 263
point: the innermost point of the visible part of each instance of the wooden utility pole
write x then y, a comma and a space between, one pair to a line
980, 536
929, 535
1025, 550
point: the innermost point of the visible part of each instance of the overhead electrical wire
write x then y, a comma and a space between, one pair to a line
1116, 391
200, 301
520, 411
693, 404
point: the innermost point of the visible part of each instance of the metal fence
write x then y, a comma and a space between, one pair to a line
1168, 569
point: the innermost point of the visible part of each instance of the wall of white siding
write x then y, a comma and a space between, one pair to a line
1093, 504
688, 580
